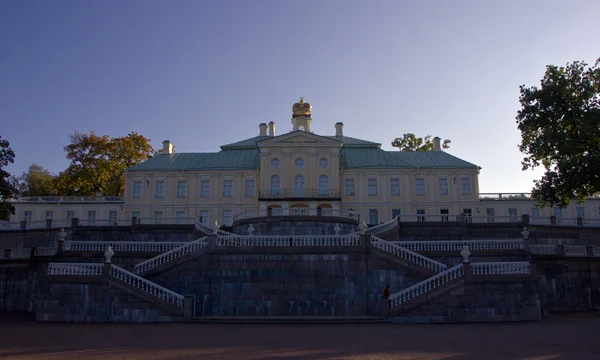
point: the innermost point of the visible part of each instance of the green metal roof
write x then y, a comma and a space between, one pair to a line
238, 159
248, 143
354, 142
354, 158
346, 140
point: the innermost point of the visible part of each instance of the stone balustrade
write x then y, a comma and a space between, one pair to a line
73, 269
146, 286
457, 245
433, 283
544, 249
122, 246
294, 241
296, 212
170, 255
408, 255
383, 227
575, 250
45, 251
501, 268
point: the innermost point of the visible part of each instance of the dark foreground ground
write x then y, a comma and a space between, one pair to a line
574, 336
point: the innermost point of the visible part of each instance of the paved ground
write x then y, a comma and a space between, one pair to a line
560, 337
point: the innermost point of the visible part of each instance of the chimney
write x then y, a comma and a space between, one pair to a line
263, 129
168, 147
436, 144
339, 129
271, 129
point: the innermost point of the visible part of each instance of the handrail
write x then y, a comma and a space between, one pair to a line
123, 246
146, 286
292, 241
457, 245
172, 254
408, 255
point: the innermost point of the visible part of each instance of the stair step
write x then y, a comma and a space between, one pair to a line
289, 320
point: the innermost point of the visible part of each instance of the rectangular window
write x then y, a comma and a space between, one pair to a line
490, 213
27, 215
420, 186
205, 188
394, 186
137, 189
372, 187
250, 188
468, 213
373, 216
535, 212
182, 189
180, 217
581, 212
465, 186
204, 217
227, 217
421, 215
513, 215
445, 214
159, 189
558, 213
443, 186
112, 216
396, 213
49, 214
349, 187
137, 215
70, 215
91, 216
227, 188
158, 217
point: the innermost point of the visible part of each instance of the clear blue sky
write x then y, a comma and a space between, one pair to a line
206, 73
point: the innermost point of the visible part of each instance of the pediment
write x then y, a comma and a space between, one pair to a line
299, 138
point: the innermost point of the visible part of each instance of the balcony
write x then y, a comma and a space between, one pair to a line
296, 194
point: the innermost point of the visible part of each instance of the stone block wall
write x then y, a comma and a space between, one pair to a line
287, 284
93, 303
17, 286
479, 302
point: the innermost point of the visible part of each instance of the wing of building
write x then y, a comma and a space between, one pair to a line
301, 170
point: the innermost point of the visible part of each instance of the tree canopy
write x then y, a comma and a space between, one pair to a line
37, 181
560, 130
410, 142
7, 156
99, 163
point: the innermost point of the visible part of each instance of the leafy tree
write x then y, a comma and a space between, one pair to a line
560, 130
410, 142
99, 163
7, 156
37, 181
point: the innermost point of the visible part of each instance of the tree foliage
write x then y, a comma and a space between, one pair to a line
99, 163
560, 130
410, 142
37, 181
7, 156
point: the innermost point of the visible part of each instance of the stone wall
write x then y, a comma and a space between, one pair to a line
287, 284
18, 284
479, 302
93, 303
279, 226
571, 284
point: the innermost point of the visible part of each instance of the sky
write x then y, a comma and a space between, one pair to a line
206, 73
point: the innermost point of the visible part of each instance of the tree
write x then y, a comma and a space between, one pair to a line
37, 181
560, 130
7, 156
99, 163
410, 142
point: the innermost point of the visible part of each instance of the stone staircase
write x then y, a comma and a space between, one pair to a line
119, 278
406, 257
172, 258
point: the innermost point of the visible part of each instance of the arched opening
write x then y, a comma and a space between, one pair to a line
275, 186
274, 210
323, 185
299, 187
324, 210
299, 209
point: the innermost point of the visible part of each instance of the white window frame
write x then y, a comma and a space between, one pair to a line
159, 217
372, 187
465, 186
204, 188
275, 186
48, 214
349, 187
396, 213
228, 188
69, 214
323, 185
227, 217
513, 214
180, 217
395, 186
159, 189
181, 189
580, 212
373, 216
420, 187
250, 190
421, 215
443, 186
205, 216
137, 189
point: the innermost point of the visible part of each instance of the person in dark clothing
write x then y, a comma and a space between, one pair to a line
386, 295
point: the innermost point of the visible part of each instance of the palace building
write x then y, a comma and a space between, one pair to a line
300, 172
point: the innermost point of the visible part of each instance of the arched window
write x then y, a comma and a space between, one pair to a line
275, 186
299, 185
323, 186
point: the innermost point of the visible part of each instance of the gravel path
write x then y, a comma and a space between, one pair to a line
573, 336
